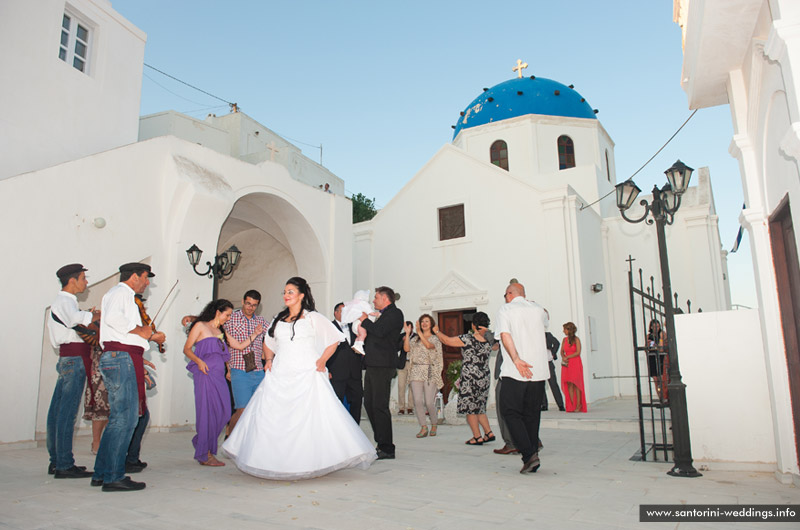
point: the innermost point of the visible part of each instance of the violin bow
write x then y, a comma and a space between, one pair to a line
165, 300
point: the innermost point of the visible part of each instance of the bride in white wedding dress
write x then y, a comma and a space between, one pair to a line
294, 426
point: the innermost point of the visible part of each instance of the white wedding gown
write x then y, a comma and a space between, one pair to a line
294, 426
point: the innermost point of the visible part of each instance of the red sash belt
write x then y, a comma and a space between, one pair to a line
78, 349
136, 353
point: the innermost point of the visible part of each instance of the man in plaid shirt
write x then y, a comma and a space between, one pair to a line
245, 368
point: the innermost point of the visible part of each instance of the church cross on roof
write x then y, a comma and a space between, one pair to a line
519, 67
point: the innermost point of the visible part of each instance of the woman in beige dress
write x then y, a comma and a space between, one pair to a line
425, 371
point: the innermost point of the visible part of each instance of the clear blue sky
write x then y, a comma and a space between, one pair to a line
379, 84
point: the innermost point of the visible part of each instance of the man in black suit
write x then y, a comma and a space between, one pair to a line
345, 367
380, 348
553, 345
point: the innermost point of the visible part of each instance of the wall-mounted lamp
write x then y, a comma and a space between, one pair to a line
99, 222
221, 268
597, 287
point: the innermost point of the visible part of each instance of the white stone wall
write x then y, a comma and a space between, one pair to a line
726, 389
533, 152
174, 194
240, 136
749, 58
50, 112
171, 123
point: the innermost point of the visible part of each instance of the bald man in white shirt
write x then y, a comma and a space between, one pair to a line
521, 325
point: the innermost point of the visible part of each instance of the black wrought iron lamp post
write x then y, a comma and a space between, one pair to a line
221, 268
662, 208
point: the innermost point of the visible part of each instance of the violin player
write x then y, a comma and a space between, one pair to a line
73, 355
124, 338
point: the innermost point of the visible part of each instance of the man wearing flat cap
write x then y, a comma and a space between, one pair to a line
124, 339
74, 358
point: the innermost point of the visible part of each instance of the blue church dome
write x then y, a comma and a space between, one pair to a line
521, 96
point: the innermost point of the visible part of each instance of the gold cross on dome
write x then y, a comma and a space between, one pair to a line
519, 67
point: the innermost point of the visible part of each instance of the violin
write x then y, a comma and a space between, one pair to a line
89, 334
146, 320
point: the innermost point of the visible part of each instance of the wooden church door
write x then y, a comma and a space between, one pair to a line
452, 324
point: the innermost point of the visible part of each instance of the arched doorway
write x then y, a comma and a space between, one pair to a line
276, 242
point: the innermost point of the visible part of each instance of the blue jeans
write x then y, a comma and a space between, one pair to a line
244, 385
64, 409
116, 368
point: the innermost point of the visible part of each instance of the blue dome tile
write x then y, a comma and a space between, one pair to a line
522, 96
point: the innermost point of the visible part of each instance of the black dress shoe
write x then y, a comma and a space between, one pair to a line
383, 455
51, 469
531, 465
135, 467
544, 407
562, 409
97, 482
126, 484
73, 472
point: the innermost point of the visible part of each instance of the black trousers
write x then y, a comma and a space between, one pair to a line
521, 406
353, 391
554, 389
377, 387
135, 447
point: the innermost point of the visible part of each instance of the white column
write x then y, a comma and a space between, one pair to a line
757, 225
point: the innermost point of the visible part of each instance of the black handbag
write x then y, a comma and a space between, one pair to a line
401, 360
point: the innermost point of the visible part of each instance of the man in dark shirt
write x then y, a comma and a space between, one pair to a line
380, 349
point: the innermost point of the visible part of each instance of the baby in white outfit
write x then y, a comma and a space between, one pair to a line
351, 312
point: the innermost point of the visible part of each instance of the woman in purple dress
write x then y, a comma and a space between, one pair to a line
207, 365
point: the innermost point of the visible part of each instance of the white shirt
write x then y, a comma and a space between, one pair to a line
526, 322
66, 308
120, 316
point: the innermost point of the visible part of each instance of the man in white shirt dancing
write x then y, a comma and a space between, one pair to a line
521, 325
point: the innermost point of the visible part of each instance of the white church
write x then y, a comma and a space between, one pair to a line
521, 192
525, 191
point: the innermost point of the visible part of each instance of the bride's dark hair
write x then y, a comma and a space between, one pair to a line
210, 311
307, 305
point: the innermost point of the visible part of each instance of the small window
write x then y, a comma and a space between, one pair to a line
498, 154
608, 167
74, 46
451, 222
566, 152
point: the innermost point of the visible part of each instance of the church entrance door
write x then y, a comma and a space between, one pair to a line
787, 277
452, 324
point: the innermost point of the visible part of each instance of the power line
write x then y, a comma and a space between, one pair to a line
190, 86
648, 161
171, 92
298, 141
204, 109
232, 105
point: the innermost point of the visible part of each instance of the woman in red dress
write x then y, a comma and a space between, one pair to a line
572, 370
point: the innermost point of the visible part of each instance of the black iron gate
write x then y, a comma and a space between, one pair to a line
651, 363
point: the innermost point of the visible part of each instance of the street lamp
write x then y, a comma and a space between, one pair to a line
662, 208
222, 267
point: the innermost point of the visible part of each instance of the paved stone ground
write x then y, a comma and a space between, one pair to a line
587, 480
